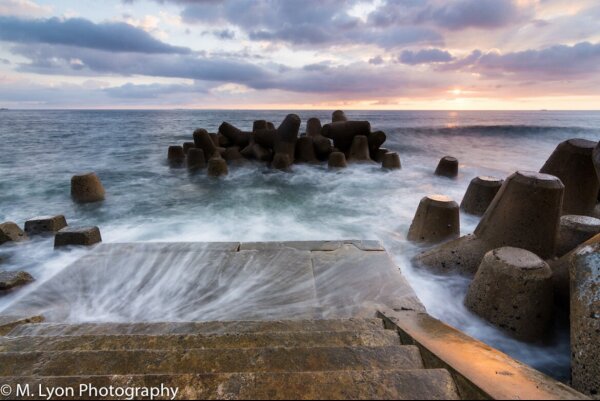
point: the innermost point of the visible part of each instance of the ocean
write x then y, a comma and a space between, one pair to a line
147, 201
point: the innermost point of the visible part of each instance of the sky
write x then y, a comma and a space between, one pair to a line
300, 54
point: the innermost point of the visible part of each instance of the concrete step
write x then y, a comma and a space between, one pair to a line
435, 384
305, 339
63, 329
77, 363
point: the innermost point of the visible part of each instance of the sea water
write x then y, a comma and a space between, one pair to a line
147, 201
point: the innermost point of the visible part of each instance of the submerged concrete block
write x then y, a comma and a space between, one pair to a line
391, 161
437, 220
10, 232
572, 162
481, 192
87, 188
447, 167
12, 280
513, 290
217, 167
337, 116
359, 151
82, 236
176, 156
196, 159
575, 230
524, 214
45, 224
337, 160
203, 141
585, 320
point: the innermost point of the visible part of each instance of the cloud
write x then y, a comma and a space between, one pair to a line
559, 62
225, 34
153, 91
450, 14
65, 60
295, 23
425, 56
461, 14
555, 62
110, 36
378, 60
23, 8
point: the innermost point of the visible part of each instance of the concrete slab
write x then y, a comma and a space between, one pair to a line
352, 282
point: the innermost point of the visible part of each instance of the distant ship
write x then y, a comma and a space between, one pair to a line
3, 109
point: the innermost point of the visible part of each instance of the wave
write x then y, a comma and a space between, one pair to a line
505, 129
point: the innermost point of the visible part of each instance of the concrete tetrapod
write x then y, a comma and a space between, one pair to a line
176, 156
281, 161
235, 135
481, 192
391, 161
572, 162
337, 160
217, 167
376, 139
524, 214
596, 158
513, 290
337, 116
585, 320
575, 230
87, 188
187, 146
203, 141
286, 138
359, 151
196, 159
437, 220
305, 150
313, 127
343, 133
560, 273
447, 167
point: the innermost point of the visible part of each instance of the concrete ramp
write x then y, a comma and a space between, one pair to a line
148, 282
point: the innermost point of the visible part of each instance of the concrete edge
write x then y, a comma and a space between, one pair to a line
480, 372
